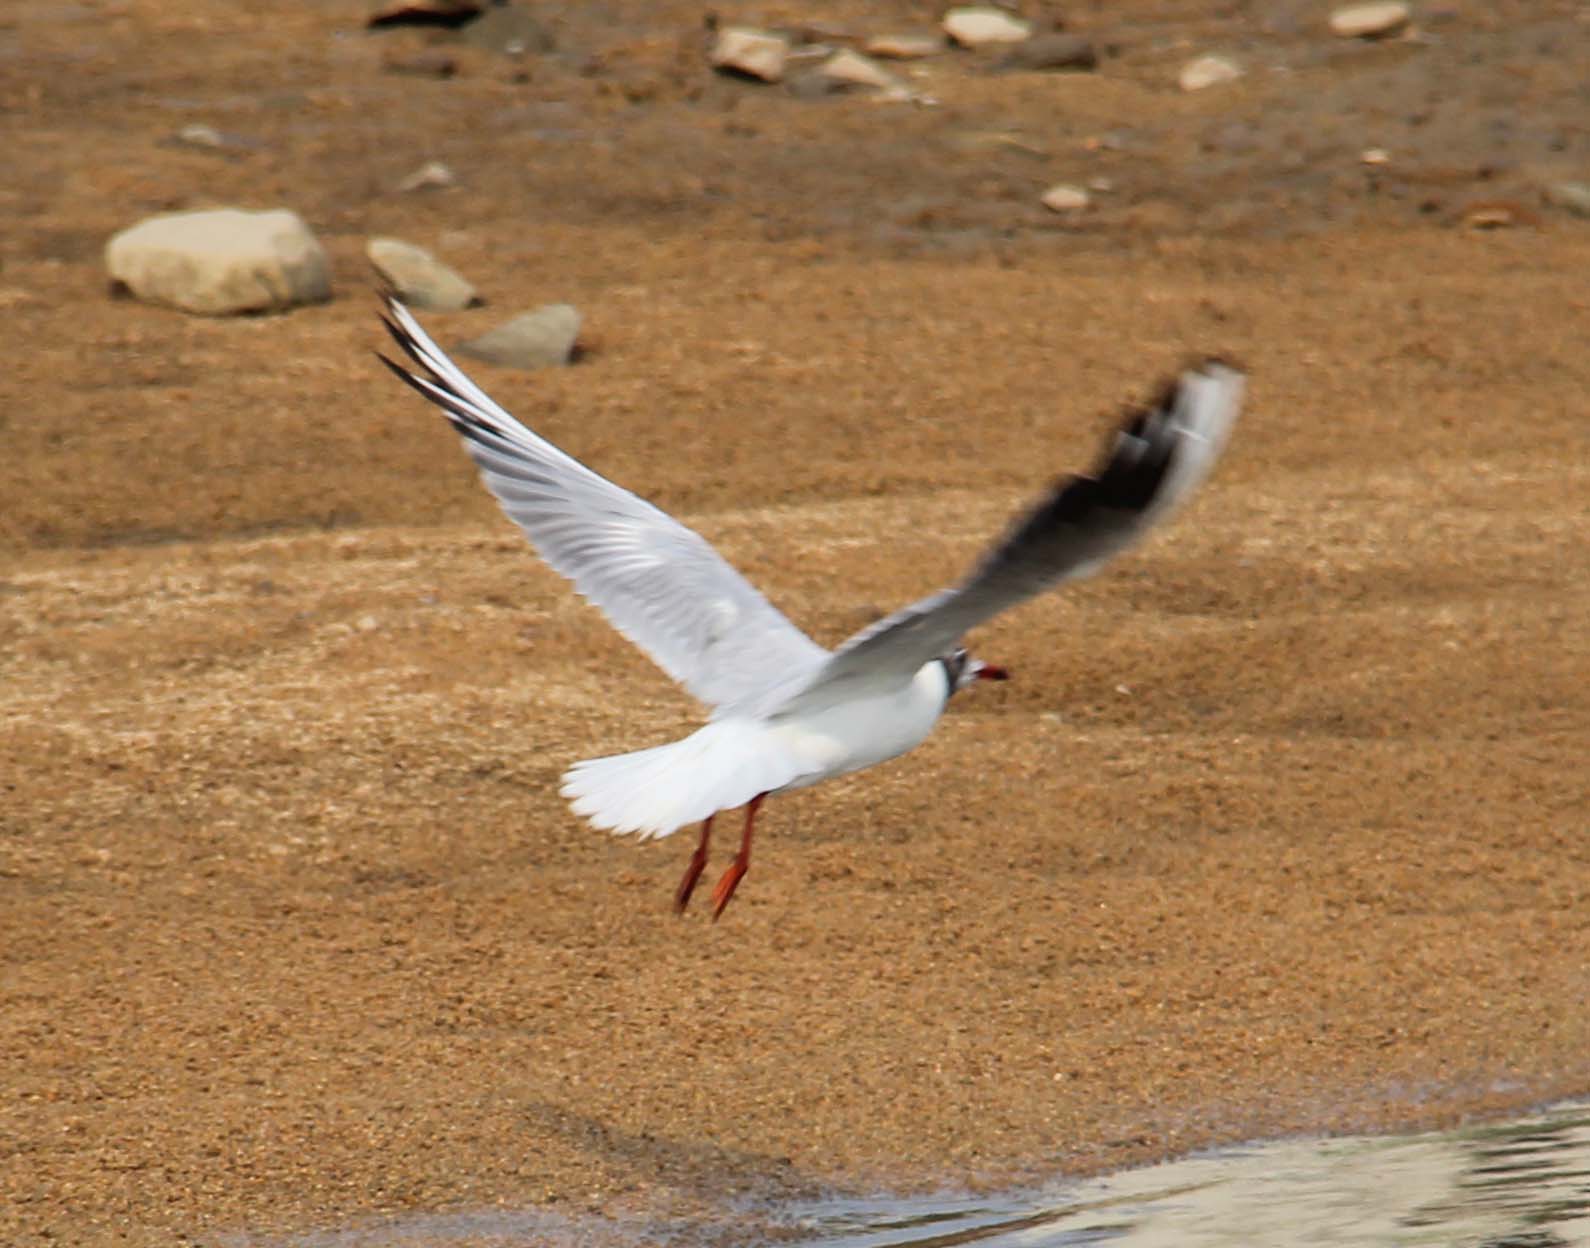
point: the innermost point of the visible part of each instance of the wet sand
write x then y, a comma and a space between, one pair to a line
1280, 827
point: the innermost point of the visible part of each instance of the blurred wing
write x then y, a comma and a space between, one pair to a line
660, 584
1156, 461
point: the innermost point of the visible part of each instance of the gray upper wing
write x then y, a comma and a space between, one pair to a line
1155, 462
660, 584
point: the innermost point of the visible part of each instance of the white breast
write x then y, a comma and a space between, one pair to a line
854, 734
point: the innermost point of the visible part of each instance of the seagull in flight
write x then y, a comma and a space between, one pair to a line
786, 713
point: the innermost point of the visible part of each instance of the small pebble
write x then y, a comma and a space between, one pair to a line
418, 277
1208, 71
847, 66
1066, 198
1369, 21
750, 53
905, 47
543, 338
429, 177
976, 25
1573, 196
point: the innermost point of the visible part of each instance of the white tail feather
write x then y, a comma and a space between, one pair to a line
657, 791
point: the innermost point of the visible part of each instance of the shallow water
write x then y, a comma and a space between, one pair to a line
1520, 1184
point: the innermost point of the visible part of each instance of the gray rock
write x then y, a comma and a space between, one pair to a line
420, 278
541, 339
1573, 196
1208, 71
972, 26
221, 261
1369, 21
750, 53
1054, 50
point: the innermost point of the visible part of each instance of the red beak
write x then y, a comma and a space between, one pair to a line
989, 671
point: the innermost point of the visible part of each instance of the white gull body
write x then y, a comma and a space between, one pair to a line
785, 712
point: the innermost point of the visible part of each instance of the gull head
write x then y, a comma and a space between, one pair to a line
963, 670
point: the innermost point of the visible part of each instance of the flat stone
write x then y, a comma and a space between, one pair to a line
1573, 196
1053, 51
750, 53
905, 47
852, 67
1369, 21
198, 134
420, 278
1208, 71
220, 261
431, 176
973, 26
544, 338
1065, 198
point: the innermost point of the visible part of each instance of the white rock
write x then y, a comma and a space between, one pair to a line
1369, 21
538, 339
432, 176
1573, 196
1065, 198
754, 52
848, 66
200, 135
1208, 71
420, 278
975, 25
221, 260
904, 47
1374, 156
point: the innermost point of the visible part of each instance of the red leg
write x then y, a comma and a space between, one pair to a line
698, 864
740, 865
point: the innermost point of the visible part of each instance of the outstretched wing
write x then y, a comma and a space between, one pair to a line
659, 583
1157, 459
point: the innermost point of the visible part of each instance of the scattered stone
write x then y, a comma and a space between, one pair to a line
852, 68
220, 261
1374, 156
432, 176
1574, 196
201, 135
418, 277
905, 47
423, 12
541, 339
1054, 50
750, 53
1208, 71
1369, 21
1065, 198
1496, 214
508, 29
976, 25
426, 63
